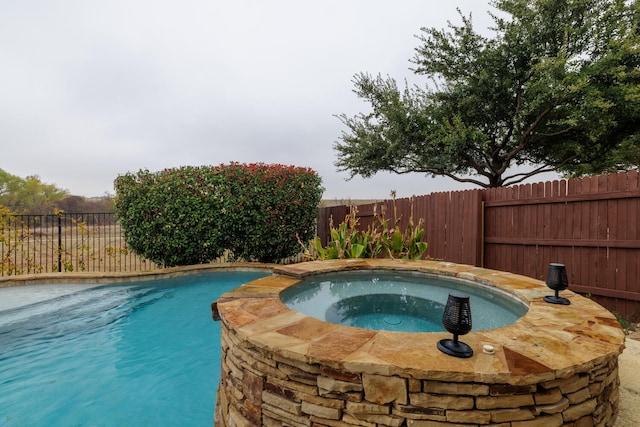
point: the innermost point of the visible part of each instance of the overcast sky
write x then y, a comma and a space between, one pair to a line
90, 90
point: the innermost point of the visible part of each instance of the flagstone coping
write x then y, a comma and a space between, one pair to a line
83, 278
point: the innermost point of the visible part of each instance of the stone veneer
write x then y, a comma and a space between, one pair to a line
555, 366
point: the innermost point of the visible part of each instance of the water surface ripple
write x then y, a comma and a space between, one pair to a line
133, 354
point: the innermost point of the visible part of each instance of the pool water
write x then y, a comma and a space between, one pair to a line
391, 312
136, 354
398, 302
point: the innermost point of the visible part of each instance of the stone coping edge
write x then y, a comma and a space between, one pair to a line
118, 277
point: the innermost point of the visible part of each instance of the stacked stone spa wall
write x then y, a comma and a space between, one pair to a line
262, 389
555, 366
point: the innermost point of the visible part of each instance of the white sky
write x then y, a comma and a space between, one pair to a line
91, 89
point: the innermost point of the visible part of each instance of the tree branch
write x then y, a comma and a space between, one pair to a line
524, 138
542, 169
433, 171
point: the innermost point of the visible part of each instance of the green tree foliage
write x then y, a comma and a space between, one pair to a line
271, 206
23, 195
192, 215
556, 88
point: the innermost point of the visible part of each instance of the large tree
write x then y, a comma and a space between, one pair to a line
555, 88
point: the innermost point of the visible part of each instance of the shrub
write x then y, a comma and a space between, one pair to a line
13, 233
271, 206
192, 215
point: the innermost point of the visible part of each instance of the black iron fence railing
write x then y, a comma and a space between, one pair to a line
84, 242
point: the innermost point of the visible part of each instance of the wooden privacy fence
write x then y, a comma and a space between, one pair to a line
451, 221
590, 224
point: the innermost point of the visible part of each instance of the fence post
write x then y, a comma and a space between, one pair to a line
59, 243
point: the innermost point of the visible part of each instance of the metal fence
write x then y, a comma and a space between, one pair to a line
81, 242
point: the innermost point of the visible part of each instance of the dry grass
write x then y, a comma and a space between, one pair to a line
78, 248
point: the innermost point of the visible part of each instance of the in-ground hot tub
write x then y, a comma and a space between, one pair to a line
398, 301
555, 365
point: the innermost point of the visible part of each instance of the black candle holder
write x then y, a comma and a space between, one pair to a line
558, 281
457, 320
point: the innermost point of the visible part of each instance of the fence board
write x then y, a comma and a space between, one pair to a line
590, 224
325, 216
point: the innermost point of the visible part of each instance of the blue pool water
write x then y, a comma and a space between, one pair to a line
136, 354
408, 302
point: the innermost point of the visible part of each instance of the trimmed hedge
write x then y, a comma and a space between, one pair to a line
192, 215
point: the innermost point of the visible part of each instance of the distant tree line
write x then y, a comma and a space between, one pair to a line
32, 196
79, 204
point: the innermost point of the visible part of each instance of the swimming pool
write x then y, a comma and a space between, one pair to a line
128, 354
